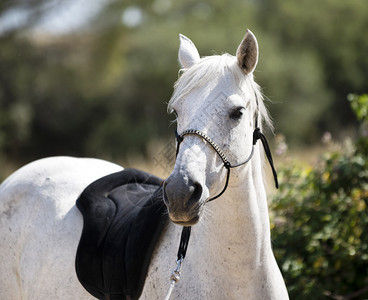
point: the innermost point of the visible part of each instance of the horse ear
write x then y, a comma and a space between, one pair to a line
247, 52
188, 53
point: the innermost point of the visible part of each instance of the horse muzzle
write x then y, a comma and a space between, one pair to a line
184, 200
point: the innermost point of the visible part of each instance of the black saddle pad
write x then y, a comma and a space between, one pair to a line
123, 216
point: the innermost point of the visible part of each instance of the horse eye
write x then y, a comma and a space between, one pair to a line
181, 72
237, 113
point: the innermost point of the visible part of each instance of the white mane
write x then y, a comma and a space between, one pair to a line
211, 69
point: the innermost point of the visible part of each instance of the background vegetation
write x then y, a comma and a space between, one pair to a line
101, 88
95, 82
320, 221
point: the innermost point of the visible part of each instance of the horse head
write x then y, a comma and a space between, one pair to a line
217, 97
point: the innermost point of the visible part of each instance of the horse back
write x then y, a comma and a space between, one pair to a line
40, 227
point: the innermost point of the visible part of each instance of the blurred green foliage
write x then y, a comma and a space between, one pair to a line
320, 222
102, 90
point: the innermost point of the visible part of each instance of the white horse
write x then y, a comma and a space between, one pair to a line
229, 254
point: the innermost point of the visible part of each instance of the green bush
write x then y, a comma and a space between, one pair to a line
320, 221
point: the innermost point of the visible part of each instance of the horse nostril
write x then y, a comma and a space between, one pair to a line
181, 193
166, 199
196, 195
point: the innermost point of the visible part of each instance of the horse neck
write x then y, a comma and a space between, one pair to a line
234, 238
240, 216
229, 254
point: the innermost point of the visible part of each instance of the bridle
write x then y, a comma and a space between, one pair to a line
185, 235
257, 134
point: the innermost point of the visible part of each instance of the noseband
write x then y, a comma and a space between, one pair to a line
257, 134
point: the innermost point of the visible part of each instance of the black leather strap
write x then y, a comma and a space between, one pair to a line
259, 135
184, 241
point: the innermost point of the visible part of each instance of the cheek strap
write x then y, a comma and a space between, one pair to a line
258, 135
